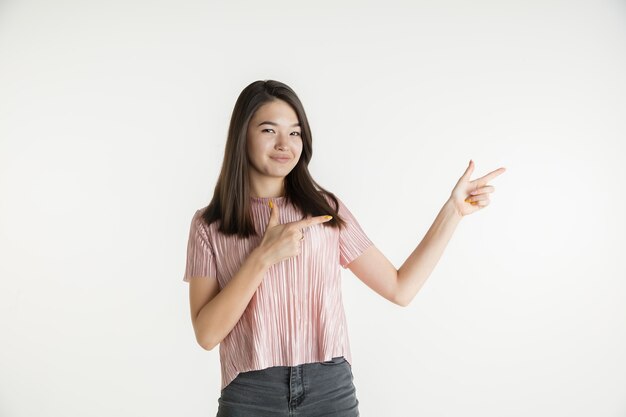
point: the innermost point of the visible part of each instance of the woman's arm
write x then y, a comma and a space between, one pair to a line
400, 286
420, 264
214, 313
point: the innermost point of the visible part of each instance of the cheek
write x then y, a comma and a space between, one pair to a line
298, 147
256, 148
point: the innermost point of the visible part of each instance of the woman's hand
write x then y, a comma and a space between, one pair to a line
470, 196
282, 241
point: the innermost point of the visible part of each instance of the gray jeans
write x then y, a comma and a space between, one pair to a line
307, 390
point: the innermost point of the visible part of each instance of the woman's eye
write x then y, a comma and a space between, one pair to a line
268, 129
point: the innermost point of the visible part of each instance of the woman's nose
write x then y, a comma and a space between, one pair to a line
281, 140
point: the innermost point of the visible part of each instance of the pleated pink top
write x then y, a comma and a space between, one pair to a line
296, 316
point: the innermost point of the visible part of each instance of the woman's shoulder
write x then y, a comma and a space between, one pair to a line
201, 223
330, 198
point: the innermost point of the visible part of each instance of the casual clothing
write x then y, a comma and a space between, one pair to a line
322, 389
296, 316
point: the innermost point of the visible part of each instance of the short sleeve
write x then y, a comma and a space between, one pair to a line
200, 258
352, 238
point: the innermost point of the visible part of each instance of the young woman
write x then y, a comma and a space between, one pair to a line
263, 265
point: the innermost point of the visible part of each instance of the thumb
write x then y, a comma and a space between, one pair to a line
468, 171
273, 221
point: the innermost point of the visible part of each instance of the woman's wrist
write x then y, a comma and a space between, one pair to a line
259, 256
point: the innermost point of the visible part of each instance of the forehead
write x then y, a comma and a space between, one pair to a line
276, 111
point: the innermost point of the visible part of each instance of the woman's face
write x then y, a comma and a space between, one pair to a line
273, 132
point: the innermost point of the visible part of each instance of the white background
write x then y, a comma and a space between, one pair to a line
113, 120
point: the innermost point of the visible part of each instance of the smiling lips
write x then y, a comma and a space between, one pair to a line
281, 158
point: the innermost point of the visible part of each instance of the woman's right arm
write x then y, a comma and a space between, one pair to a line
214, 313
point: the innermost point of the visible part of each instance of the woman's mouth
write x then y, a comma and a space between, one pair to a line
281, 160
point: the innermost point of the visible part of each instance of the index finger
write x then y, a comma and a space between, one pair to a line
485, 179
300, 224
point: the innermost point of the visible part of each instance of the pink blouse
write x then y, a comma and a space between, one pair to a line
296, 315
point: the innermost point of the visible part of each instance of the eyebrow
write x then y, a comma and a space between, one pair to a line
276, 124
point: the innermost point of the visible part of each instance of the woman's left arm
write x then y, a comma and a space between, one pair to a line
400, 286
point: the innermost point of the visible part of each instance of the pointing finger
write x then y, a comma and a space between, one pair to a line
300, 224
493, 174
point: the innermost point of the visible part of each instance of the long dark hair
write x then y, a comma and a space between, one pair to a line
231, 198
